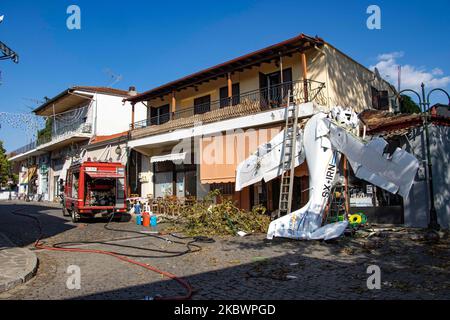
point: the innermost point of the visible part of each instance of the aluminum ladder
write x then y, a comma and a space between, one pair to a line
288, 154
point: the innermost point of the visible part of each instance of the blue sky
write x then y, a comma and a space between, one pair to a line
149, 43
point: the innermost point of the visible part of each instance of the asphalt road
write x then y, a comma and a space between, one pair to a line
230, 268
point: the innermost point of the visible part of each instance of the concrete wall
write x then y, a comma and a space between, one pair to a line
4, 195
104, 152
416, 205
349, 83
113, 115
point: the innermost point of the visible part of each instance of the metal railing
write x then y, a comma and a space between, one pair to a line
65, 131
25, 148
268, 98
77, 127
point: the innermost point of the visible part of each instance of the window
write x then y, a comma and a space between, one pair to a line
225, 101
159, 115
224, 188
202, 104
380, 99
273, 92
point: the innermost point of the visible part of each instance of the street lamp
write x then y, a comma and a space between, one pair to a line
424, 103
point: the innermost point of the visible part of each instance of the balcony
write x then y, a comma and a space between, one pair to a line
78, 130
25, 148
61, 136
241, 105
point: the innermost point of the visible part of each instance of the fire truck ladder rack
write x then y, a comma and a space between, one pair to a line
288, 152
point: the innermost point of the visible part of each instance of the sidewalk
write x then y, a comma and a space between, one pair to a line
17, 265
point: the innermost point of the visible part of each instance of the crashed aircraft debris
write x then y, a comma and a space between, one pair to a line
323, 140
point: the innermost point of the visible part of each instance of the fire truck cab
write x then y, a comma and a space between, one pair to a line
94, 187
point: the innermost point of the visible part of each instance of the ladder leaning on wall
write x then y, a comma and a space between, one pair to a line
288, 157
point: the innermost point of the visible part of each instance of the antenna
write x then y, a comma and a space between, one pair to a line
115, 77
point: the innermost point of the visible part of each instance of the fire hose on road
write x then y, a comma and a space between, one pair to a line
123, 257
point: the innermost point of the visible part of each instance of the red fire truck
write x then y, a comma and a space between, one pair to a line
94, 187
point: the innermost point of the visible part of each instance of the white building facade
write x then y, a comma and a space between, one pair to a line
77, 116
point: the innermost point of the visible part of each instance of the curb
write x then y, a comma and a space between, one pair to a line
30, 264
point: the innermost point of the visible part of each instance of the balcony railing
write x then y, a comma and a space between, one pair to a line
239, 105
65, 131
25, 148
58, 134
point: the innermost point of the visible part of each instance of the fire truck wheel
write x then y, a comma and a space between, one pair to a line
75, 216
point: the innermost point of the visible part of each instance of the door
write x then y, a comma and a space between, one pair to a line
180, 185
56, 187
225, 100
159, 115
191, 183
202, 104
273, 92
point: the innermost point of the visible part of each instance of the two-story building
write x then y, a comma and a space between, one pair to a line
227, 110
77, 116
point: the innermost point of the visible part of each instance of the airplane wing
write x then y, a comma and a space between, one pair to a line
266, 162
369, 162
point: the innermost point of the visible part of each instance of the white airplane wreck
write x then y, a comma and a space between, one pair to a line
325, 137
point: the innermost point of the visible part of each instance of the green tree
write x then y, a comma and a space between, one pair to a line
5, 166
45, 134
407, 105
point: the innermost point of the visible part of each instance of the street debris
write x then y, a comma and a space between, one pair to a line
221, 218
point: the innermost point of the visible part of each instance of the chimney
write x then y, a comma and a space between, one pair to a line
132, 91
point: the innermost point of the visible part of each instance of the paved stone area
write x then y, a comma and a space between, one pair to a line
17, 265
230, 268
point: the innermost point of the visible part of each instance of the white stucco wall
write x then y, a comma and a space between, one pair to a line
147, 167
111, 115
